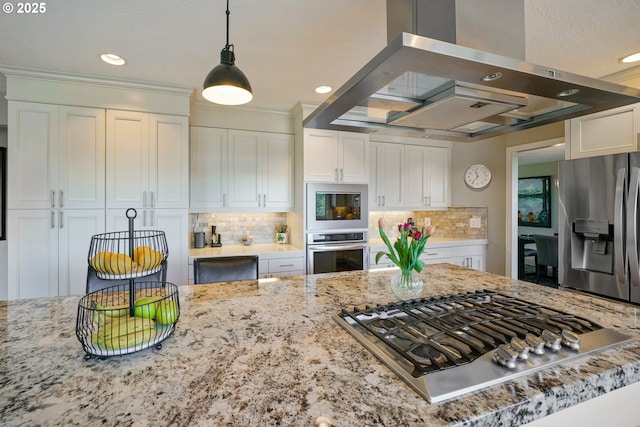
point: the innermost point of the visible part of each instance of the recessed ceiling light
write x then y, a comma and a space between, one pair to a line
491, 77
568, 92
112, 58
631, 58
324, 89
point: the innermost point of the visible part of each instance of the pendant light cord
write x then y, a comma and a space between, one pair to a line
228, 13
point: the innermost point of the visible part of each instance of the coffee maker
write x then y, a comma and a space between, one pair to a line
216, 241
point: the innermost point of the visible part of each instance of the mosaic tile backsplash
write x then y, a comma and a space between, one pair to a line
233, 226
453, 222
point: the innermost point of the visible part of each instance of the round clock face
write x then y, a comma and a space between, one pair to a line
477, 176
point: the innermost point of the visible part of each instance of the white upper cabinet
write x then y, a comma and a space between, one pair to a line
606, 132
57, 157
426, 177
169, 161
241, 170
331, 156
387, 182
244, 169
208, 167
278, 170
81, 154
409, 176
147, 160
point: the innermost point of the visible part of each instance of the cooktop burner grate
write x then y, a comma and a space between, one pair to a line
430, 340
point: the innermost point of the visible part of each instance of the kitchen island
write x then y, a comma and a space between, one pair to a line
268, 353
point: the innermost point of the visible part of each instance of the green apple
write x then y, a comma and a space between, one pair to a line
167, 312
147, 307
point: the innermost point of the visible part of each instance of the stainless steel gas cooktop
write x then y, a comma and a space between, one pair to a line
449, 345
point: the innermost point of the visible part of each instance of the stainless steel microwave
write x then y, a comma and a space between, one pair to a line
337, 207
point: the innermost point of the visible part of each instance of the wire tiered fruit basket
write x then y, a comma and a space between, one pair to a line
135, 314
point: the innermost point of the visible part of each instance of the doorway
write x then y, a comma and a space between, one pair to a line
539, 152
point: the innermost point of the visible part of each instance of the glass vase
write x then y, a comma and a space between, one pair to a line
406, 284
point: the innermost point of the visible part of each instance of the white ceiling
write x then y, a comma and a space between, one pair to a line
285, 47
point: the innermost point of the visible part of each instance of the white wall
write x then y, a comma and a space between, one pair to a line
489, 152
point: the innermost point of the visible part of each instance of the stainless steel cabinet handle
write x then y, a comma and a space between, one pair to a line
144, 218
378, 200
620, 203
264, 200
224, 200
53, 199
285, 265
60, 199
341, 174
53, 219
153, 199
152, 217
632, 227
384, 203
60, 219
144, 199
425, 200
337, 176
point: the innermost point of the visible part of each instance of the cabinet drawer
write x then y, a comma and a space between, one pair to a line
451, 252
285, 264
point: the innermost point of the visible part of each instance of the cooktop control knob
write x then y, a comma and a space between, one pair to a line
551, 340
536, 345
521, 347
506, 356
570, 339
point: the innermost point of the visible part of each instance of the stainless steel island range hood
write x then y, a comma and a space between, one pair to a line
426, 83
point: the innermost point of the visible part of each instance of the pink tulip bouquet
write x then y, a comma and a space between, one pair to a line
406, 251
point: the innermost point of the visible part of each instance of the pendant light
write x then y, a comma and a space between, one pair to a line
226, 84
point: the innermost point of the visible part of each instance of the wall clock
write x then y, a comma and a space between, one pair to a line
477, 176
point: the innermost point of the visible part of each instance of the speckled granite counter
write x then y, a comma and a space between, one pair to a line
269, 354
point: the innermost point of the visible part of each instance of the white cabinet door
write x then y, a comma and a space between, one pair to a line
32, 237
48, 251
168, 161
320, 155
208, 168
33, 149
81, 158
415, 177
426, 177
244, 168
75, 228
147, 160
174, 223
127, 159
389, 179
606, 132
438, 177
353, 157
278, 172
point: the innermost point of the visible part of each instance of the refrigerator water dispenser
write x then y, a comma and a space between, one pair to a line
592, 246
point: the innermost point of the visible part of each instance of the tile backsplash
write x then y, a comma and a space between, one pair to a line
232, 226
453, 222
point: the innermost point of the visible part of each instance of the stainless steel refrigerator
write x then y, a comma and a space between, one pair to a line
598, 225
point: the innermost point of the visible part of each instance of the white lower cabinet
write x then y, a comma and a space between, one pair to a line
174, 223
280, 267
48, 251
470, 256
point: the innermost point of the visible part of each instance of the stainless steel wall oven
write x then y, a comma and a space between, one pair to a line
330, 252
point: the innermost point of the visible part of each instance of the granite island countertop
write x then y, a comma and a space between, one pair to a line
268, 353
